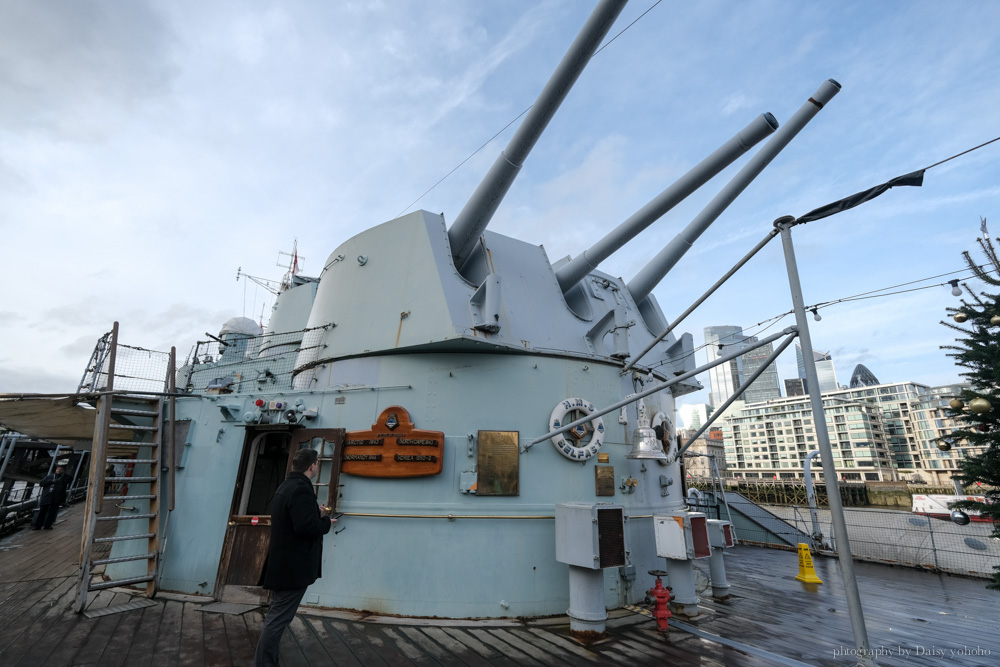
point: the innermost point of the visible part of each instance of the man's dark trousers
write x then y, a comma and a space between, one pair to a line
279, 615
46, 516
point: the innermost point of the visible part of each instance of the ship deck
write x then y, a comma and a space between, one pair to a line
913, 618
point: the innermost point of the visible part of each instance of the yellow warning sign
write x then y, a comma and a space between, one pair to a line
807, 572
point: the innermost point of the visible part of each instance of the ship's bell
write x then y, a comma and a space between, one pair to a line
645, 444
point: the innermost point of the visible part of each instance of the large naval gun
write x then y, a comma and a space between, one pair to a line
457, 382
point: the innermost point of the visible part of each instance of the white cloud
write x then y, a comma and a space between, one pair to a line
150, 149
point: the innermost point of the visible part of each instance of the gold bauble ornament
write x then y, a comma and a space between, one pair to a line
944, 446
956, 404
995, 320
979, 406
960, 317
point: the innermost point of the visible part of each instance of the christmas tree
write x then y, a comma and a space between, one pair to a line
978, 352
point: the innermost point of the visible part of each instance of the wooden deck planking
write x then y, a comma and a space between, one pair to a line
214, 639
116, 650
481, 649
166, 650
397, 651
332, 642
241, 644
768, 609
406, 649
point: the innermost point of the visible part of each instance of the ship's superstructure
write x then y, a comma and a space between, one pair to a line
423, 361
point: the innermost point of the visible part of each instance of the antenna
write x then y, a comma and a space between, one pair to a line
293, 266
269, 285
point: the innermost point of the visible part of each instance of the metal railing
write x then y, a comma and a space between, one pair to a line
894, 537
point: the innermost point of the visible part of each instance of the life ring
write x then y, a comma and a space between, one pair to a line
565, 447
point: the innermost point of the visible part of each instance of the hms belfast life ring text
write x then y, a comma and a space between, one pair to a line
575, 408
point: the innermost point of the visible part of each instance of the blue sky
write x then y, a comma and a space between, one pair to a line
148, 150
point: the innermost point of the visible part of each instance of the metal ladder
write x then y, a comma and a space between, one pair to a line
126, 426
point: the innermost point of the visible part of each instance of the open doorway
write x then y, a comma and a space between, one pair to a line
267, 456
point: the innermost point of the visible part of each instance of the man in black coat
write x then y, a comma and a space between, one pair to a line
53, 495
295, 556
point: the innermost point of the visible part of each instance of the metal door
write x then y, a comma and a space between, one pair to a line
264, 465
267, 459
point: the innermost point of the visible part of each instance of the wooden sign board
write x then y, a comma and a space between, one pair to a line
393, 448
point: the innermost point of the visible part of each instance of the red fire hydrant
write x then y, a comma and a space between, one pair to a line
661, 596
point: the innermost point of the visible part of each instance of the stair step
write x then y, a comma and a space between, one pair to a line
138, 413
124, 538
123, 559
131, 479
131, 461
120, 582
126, 517
119, 499
133, 443
133, 427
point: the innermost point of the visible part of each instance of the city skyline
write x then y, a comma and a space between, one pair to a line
883, 432
726, 378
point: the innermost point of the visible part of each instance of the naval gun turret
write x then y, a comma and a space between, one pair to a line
474, 218
424, 361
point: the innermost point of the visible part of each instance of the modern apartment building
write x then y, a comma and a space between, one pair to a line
881, 432
772, 439
930, 420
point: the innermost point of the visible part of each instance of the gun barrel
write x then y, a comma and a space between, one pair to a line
650, 275
574, 271
479, 210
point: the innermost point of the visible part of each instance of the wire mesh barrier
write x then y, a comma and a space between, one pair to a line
884, 536
139, 369
136, 368
237, 363
242, 364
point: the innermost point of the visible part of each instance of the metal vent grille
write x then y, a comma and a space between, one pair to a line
611, 537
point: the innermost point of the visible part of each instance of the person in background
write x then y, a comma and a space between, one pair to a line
54, 487
109, 472
295, 555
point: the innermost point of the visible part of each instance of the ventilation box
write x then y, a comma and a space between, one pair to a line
590, 535
682, 535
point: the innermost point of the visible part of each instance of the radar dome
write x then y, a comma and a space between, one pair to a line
240, 325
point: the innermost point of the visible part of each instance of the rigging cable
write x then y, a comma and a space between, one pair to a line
873, 294
490, 140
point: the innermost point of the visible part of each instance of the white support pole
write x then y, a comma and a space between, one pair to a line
864, 654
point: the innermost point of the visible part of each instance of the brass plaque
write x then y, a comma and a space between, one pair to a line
604, 457
498, 464
604, 480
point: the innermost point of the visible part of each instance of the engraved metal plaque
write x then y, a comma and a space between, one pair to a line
604, 480
604, 457
498, 464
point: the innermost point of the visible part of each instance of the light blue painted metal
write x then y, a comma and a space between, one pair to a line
391, 321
